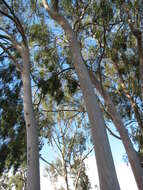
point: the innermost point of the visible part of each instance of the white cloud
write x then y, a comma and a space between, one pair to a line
92, 171
124, 173
126, 178
46, 182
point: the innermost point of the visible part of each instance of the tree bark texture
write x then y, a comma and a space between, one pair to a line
33, 176
106, 169
132, 155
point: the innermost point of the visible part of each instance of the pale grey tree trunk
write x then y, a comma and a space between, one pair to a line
33, 176
106, 169
132, 155
129, 97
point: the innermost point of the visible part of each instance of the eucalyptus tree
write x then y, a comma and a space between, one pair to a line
122, 63
101, 144
14, 45
70, 141
116, 42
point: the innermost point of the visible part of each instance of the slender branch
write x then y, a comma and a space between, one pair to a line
58, 145
50, 164
78, 175
85, 156
45, 161
12, 39
8, 16
16, 20
63, 110
18, 66
64, 70
68, 156
4, 37
81, 17
112, 133
130, 98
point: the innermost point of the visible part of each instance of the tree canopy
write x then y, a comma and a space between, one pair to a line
109, 35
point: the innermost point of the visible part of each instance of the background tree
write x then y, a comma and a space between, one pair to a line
70, 141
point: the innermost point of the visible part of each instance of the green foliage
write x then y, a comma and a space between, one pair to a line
18, 181
106, 10
103, 31
52, 86
12, 131
84, 183
72, 85
39, 34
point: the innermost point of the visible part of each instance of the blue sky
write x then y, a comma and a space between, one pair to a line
117, 149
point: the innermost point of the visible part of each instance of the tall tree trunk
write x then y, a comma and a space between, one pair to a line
132, 155
130, 98
106, 169
66, 176
33, 176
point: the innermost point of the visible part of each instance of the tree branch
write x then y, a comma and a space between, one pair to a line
112, 133
130, 98
50, 164
11, 38
18, 66
15, 19
63, 110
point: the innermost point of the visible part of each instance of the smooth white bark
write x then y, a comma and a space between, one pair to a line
132, 155
106, 169
33, 176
